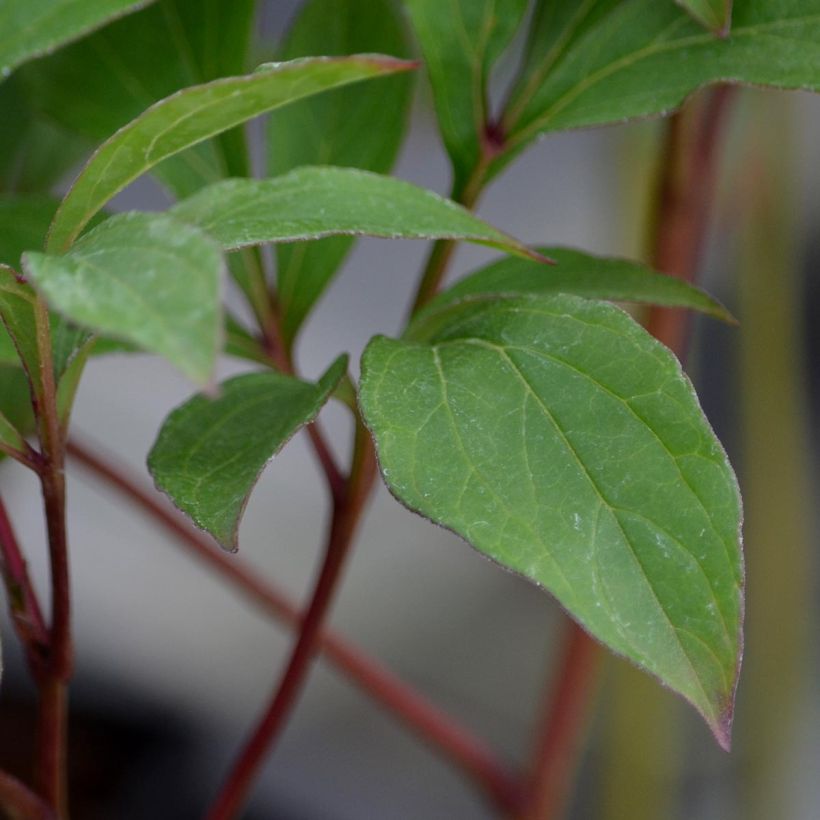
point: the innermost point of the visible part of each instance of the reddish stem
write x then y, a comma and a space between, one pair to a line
434, 726
18, 802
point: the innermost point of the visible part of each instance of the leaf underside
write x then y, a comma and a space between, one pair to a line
210, 452
561, 440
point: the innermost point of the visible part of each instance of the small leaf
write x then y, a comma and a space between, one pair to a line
15, 400
191, 116
605, 62
594, 277
11, 442
349, 126
716, 15
144, 278
313, 202
210, 452
460, 42
29, 28
557, 437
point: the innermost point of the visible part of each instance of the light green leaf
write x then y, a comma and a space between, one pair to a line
605, 61
558, 438
29, 28
716, 15
350, 127
144, 278
210, 452
313, 202
461, 40
594, 277
193, 115
132, 63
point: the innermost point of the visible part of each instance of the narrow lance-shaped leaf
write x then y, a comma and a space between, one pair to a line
210, 452
576, 272
313, 202
144, 278
29, 28
195, 114
558, 438
606, 61
461, 41
350, 126
11, 442
716, 15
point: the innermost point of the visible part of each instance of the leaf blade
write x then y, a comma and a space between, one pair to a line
193, 115
315, 202
561, 440
210, 452
716, 15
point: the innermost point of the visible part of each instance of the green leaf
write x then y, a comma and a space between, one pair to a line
716, 15
193, 115
313, 202
594, 277
132, 63
350, 127
11, 442
29, 28
558, 438
24, 222
15, 401
144, 278
461, 40
210, 452
606, 61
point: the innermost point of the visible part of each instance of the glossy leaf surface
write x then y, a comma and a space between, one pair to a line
29, 28
314, 202
351, 127
193, 115
144, 278
716, 15
605, 61
461, 41
576, 272
558, 438
210, 452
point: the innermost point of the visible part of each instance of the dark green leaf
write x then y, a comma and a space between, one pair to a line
313, 202
145, 278
11, 441
29, 28
24, 222
15, 400
193, 115
606, 61
210, 452
594, 277
557, 437
716, 15
460, 41
351, 127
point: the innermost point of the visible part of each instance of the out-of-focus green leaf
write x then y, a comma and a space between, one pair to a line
351, 127
11, 441
193, 115
606, 61
145, 278
210, 452
29, 28
313, 202
556, 436
461, 40
576, 272
24, 222
15, 400
716, 15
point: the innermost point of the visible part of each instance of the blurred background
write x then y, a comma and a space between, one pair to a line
173, 667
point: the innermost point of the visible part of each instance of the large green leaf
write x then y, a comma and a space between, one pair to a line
193, 115
716, 15
605, 61
210, 452
313, 202
29, 28
144, 278
461, 40
560, 439
594, 277
351, 127
132, 63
